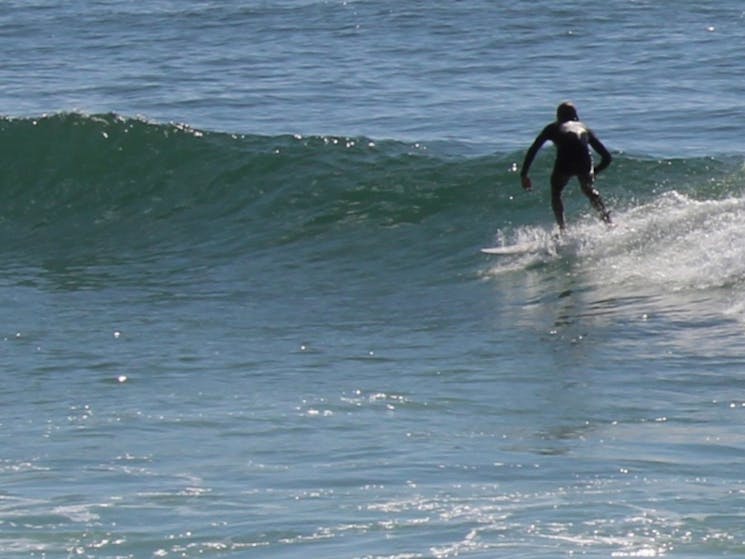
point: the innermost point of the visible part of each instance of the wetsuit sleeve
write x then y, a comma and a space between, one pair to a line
533, 150
605, 156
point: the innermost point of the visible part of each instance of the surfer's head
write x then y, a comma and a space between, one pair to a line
566, 112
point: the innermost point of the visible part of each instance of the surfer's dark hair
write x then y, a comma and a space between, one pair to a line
566, 112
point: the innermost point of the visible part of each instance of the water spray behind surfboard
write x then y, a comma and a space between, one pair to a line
673, 240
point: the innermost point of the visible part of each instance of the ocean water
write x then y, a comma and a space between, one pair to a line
245, 313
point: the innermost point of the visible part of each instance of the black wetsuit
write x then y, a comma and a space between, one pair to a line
573, 158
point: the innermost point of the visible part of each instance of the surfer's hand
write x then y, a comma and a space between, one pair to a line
527, 184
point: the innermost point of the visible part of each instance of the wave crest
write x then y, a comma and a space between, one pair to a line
123, 181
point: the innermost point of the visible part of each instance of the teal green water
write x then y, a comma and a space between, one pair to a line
282, 346
270, 331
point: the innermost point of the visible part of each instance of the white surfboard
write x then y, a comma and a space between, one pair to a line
527, 247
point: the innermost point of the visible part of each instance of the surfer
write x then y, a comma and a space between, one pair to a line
573, 159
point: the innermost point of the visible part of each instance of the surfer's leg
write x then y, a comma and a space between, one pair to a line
558, 182
593, 195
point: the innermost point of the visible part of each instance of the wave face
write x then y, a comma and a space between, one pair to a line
115, 187
124, 184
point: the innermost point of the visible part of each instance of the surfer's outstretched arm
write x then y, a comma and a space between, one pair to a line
605, 156
530, 156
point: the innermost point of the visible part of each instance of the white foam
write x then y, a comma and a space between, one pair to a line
674, 241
